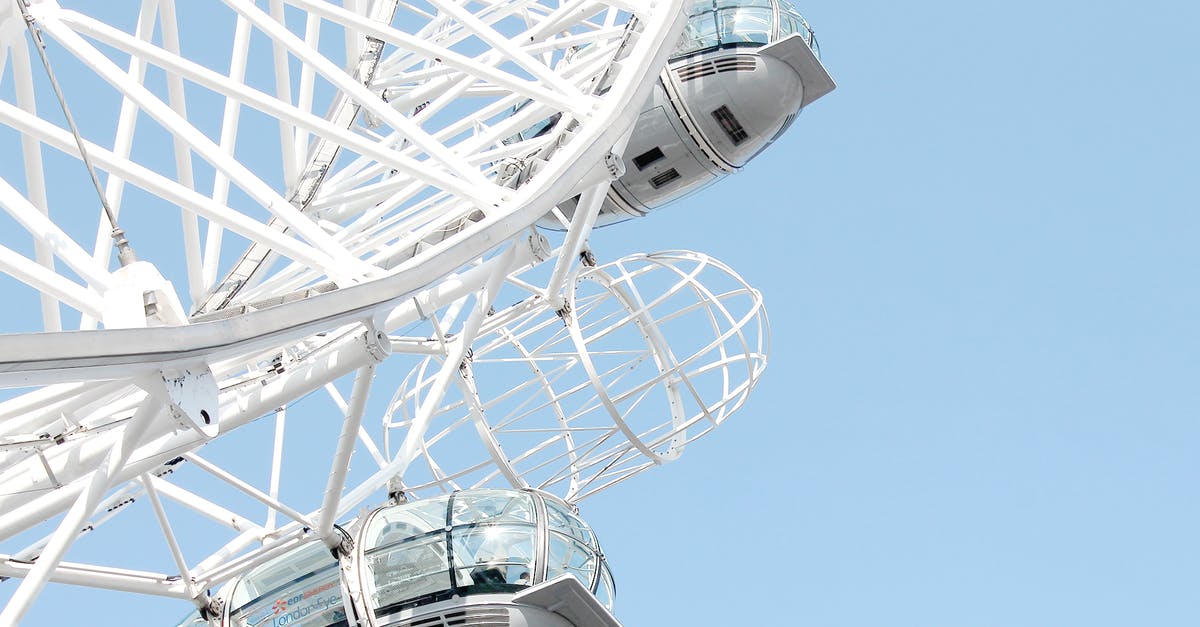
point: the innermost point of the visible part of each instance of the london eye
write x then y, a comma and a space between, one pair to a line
312, 280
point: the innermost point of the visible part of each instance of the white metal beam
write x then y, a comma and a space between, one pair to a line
247, 489
283, 91
206, 508
341, 457
365, 97
514, 53
371, 28
163, 187
68, 529
35, 176
49, 283
586, 211
276, 461
119, 579
425, 413
239, 92
229, 124
114, 189
46, 231
169, 535
169, 24
341, 265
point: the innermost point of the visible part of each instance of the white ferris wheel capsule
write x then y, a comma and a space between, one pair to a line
308, 199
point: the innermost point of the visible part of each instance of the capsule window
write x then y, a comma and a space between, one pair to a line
648, 157
299, 588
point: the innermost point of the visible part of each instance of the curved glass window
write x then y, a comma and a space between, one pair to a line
473, 542
700, 33
300, 589
492, 506
494, 557
559, 518
570, 556
407, 570
406, 552
714, 24
606, 591
391, 525
484, 541
746, 25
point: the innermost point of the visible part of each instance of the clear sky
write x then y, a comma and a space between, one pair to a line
979, 257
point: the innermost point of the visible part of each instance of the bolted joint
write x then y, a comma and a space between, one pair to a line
345, 543
379, 345
192, 398
564, 313
464, 366
212, 610
125, 252
615, 166
539, 245
395, 491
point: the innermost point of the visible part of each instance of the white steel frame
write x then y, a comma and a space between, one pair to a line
403, 203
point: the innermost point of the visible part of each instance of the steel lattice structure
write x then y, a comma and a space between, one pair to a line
346, 203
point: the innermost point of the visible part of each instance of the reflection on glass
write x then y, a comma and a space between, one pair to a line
570, 556
474, 542
302, 589
494, 557
480, 506
606, 591
559, 518
746, 25
700, 33
408, 569
726, 23
398, 523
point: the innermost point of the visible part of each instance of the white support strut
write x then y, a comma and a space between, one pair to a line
393, 225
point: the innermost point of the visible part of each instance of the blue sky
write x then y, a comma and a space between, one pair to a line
979, 260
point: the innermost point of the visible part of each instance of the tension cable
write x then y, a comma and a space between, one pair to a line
125, 252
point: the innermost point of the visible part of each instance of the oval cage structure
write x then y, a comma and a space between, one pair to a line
647, 354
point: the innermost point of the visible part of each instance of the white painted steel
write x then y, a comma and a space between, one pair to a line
651, 352
116, 457
169, 534
345, 449
349, 204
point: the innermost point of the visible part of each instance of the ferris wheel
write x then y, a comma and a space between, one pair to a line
271, 264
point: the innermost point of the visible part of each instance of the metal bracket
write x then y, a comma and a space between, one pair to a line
616, 166
565, 313
379, 346
345, 547
539, 245
212, 611
49, 471
191, 396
